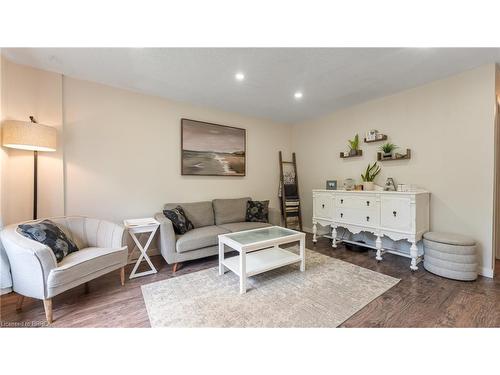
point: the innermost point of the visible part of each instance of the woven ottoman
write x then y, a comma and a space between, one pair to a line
450, 255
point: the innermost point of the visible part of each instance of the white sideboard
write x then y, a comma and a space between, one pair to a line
397, 215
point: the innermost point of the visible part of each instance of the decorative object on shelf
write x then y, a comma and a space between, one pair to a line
388, 150
30, 136
369, 176
331, 185
374, 136
358, 187
389, 184
345, 155
348, 184
354, 146
371, 135
395, 156
211, 149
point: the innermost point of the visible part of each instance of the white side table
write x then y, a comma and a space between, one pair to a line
137, 226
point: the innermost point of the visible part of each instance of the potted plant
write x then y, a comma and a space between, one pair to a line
387, 149
354, 145
369, 176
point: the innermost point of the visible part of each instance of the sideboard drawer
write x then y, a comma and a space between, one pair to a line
368, 217
323, 206
356, 201
396, 213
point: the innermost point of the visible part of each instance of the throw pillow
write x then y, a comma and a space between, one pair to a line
49, 234
179, 219
258, 211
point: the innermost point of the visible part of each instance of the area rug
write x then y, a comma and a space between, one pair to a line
325, 295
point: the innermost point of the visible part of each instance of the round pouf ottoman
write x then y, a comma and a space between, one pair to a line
450, 255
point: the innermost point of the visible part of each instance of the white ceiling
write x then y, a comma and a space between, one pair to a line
330, 78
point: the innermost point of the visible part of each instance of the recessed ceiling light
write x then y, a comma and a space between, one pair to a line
239, 76
298, 95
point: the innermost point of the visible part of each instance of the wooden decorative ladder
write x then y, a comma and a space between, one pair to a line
289, 193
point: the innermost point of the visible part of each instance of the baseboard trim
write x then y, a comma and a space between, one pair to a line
486, 272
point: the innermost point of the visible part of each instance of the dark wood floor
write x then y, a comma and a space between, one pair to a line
421, 299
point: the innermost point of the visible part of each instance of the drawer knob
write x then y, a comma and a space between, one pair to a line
341, 214
394, 213
322, 206
368, 218
367, 203
341, 201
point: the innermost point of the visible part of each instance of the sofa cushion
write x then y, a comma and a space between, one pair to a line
257, 211
198, 238
81, 264
49, 234
244, 225
179, 220
230, 210
201, 214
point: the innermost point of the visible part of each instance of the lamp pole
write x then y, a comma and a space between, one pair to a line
35, 178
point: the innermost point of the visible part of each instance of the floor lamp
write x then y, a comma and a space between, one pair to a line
30, 136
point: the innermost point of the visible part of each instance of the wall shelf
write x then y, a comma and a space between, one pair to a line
384, 138
398, 156
358, 153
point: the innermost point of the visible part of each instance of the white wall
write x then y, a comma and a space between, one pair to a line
447, 124
28, 91
123, 153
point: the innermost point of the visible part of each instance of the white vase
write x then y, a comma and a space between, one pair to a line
368, 186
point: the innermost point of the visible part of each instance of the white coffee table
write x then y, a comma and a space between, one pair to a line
259, 251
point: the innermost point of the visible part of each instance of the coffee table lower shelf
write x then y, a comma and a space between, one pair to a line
262, 261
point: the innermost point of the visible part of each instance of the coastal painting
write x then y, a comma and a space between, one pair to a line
211, 149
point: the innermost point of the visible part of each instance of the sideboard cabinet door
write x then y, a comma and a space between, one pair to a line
395, 213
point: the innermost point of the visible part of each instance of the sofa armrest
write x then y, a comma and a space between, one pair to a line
166, 239
105, 234
274, 216
30, 263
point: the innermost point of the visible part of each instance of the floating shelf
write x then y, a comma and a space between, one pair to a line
358, 153
398, 156
384, 138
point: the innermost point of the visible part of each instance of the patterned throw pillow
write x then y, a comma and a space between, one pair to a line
258, 211
179, 219
49, 234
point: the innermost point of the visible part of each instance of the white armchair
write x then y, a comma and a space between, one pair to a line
35, 272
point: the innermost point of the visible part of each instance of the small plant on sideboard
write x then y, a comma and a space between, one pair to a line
369, 176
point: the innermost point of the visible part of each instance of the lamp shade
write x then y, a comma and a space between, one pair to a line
29, 136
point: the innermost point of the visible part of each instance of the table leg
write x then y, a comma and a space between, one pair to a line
302, 254
143, 255
243, 272
221, 259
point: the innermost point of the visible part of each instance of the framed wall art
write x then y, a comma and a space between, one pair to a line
212, 150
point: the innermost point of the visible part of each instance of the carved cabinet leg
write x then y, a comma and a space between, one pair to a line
315, 231
378, 244
334, 236
414, 255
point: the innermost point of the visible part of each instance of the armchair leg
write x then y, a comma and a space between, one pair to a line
176, 267
47, 304
122, 275
87, 288
19, 305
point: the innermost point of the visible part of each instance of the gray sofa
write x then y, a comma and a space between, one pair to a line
209, 218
